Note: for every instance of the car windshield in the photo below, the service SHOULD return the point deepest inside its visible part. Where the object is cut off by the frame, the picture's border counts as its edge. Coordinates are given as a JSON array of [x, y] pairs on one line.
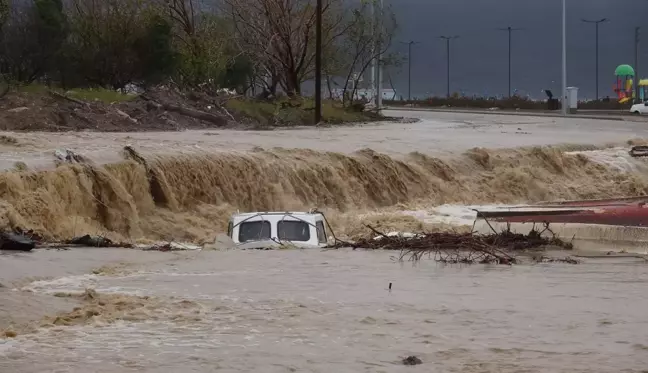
[[253, 231], [293, 230]]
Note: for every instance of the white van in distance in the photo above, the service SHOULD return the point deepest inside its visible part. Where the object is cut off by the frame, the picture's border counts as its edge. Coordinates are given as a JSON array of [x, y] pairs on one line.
[[639, 108]]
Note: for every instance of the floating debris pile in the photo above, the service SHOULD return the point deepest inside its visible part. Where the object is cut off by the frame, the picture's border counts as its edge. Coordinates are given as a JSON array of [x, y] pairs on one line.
[[466, 248], [96, 241]]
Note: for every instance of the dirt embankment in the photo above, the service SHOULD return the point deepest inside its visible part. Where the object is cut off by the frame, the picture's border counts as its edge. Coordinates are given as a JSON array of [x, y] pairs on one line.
[[160, 109], [52, 111]]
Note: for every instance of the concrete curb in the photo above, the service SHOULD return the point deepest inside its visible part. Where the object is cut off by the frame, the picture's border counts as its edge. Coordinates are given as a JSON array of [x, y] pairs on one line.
[[622, 118]]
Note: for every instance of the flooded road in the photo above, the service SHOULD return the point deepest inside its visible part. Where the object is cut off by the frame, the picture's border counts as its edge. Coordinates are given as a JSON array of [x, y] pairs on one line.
[[435, 134], [323, 311]]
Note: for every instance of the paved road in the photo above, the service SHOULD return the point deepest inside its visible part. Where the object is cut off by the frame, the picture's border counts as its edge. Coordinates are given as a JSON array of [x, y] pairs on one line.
[[582, 114], [437, 133]]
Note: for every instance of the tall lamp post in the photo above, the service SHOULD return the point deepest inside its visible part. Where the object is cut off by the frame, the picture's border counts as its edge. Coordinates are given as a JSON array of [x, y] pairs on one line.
[[510, 31], [409, 68], [636, 65], [596, 25], [447, 39], [318, 62], [564, 58]]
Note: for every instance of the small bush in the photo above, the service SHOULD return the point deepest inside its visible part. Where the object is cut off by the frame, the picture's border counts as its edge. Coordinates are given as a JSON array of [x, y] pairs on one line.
[[295, 112]]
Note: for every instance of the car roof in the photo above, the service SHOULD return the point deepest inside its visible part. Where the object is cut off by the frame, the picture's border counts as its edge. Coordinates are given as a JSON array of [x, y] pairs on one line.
[[296, 213]]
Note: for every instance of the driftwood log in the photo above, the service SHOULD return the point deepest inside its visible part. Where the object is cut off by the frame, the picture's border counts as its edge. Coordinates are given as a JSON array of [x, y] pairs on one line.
[[192, 113], [66, 97]]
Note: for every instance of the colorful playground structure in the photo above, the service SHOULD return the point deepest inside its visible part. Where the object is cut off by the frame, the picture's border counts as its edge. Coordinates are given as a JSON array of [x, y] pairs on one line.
[[624, 89]]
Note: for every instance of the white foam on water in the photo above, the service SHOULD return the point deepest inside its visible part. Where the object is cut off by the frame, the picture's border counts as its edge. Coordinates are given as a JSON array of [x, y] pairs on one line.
[[616, 158], [6, 345], [454, 215], [62, 284], [78, 284]]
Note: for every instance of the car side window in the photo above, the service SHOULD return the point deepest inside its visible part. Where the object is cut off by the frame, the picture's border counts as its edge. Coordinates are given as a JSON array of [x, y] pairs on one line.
[[321, 232]]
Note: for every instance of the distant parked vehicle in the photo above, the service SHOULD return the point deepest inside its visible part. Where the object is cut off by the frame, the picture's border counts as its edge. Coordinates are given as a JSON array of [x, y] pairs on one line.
[[639, 108]]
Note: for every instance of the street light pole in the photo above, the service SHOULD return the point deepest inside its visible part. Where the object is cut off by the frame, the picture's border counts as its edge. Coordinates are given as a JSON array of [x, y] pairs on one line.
[[409, 68], [510, 31], [318, 62], [636, 65], [447, 39], [596, 25], [564, 58]]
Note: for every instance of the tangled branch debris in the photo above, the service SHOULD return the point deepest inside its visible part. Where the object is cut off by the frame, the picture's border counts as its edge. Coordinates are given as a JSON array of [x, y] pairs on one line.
[[96, 241], [545, 259], [466, 248]]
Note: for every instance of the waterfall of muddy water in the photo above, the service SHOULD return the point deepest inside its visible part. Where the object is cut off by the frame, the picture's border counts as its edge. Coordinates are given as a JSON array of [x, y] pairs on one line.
[[323, 311], [189, 196]]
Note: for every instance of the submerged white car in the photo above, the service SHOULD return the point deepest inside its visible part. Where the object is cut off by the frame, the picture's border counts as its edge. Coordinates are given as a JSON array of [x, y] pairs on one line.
[[269, 229], [639, 108]]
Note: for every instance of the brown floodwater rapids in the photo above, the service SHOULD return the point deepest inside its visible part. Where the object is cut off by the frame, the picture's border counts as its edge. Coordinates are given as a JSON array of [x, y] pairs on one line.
[[115, 310], [182, 186]]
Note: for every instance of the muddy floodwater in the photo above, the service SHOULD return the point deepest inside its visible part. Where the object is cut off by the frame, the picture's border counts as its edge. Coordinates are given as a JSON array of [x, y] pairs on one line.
[[331, 311], [118, 310]]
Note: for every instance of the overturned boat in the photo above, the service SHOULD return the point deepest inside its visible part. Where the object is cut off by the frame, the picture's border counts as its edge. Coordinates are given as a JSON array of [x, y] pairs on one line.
[[609, 222]]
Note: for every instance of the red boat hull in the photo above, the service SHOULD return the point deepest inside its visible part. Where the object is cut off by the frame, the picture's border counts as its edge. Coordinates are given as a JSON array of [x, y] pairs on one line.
[[628, 201], [618, 212]]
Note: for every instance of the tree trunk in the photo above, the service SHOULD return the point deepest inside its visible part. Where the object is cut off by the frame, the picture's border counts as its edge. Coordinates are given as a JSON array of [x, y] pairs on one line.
[[329, 87], [292, 84]]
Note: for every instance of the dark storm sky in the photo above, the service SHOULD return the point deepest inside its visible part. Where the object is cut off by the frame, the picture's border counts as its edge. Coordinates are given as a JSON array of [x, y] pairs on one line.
[[479, 56]]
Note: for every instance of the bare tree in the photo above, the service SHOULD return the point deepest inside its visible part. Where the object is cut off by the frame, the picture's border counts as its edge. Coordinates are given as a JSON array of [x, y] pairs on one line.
[[183, 15], [205, 42], [280, 34], [366, 39], [4, 11], [105, 32]]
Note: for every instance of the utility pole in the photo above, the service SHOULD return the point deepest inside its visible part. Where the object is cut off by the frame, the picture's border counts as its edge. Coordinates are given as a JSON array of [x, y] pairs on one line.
[[596, 24], [379, 61], [372, 80], [318, 62], [409, 68], [564, 58], [636, 65], [510, 31], [447, 39]]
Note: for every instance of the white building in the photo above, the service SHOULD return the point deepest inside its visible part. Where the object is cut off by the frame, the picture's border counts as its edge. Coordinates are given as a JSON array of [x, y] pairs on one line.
[[369, 94]]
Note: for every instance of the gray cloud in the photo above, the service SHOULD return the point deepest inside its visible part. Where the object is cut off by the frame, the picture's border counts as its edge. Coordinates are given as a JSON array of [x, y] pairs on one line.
[[480, 56]]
